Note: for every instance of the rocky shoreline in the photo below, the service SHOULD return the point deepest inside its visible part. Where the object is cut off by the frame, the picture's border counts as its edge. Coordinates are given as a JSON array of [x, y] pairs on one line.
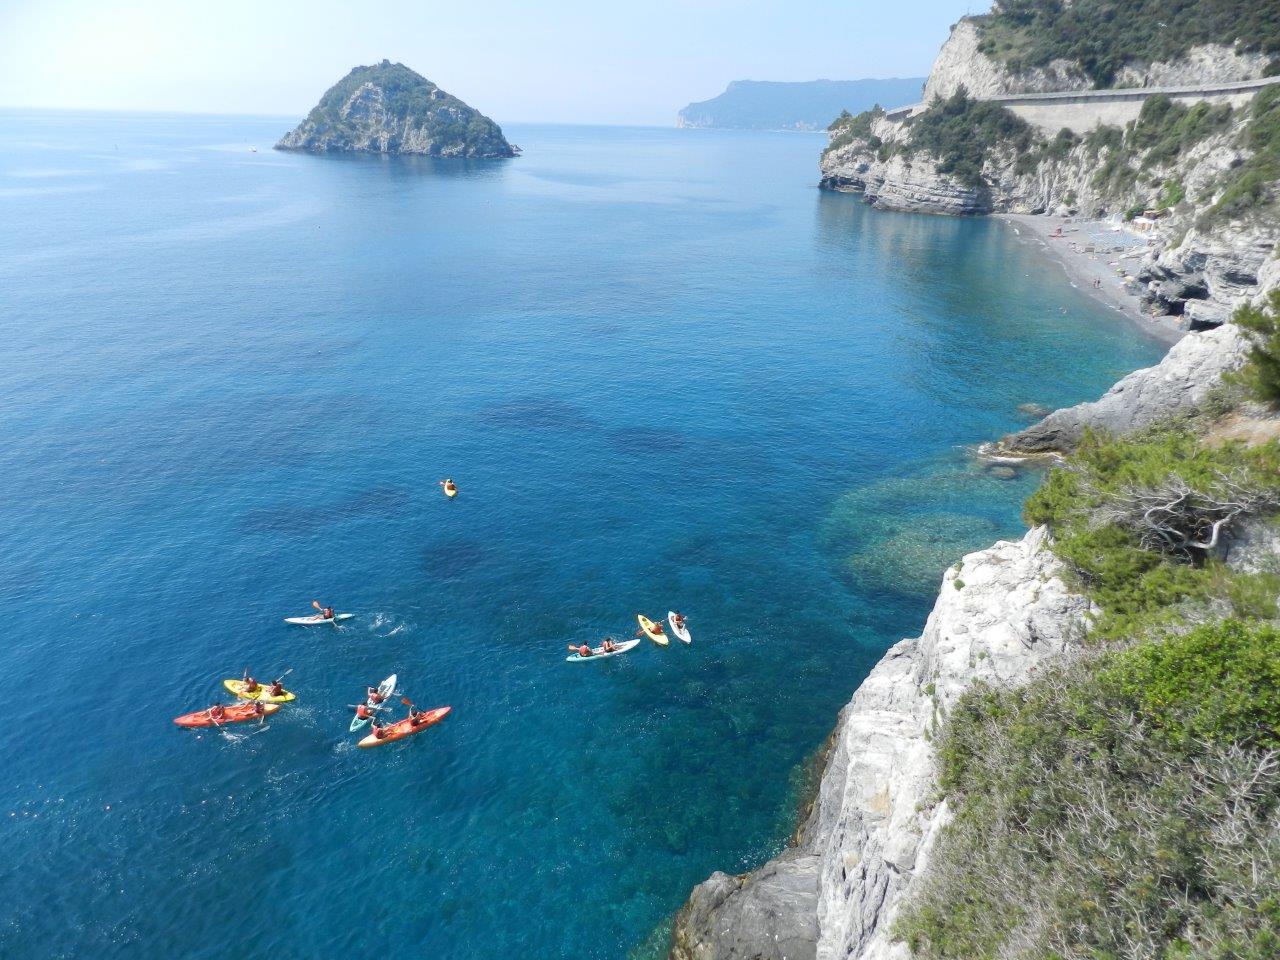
[[1068, 251], [1001, 613]]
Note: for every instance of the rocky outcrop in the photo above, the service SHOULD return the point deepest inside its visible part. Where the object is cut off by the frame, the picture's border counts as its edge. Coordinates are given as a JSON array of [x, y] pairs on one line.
[[1001, 613], [961, 64], [387, 108], [1177, 384]]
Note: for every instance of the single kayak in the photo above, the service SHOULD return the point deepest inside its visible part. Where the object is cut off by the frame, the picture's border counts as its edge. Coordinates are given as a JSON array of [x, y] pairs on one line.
[[679, 631], [262, 693], [315, 619], [404, 728], [386, 688], [599, 653], [652, 630], [236, 713]]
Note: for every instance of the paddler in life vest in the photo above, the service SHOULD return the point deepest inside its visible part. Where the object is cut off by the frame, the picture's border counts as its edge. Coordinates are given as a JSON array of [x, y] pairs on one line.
[[608, 646], [374, 697], [363, 712], [277, 689], [656, 630], [448, 485], [581, 650], [378, 732], [217, 712], [679, 618], [248, 684], [415, 717], [259, 711]]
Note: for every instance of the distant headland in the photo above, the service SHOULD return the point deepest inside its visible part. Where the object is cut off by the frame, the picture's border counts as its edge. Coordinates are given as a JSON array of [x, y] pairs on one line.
[[768, 105], [388, 108]]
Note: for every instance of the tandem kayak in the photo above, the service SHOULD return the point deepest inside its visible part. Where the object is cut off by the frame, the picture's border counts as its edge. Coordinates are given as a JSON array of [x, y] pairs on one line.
[[386, 688], [403, 728], [315, 619], [237, 687], [599, 653], [681, 632], [652, 630], [236, 713]]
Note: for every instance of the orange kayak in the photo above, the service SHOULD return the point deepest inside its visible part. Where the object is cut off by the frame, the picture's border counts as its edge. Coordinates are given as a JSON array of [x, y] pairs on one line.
[[236, 713], [403, 728]]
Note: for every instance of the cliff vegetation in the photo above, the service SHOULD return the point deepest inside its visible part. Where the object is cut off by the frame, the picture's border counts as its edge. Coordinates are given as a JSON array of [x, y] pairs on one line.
[[1126, 802], [1104, 35]]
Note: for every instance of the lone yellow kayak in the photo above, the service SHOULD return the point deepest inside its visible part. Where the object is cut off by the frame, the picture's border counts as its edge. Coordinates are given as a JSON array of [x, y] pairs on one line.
[[652, 630], [237, 687]]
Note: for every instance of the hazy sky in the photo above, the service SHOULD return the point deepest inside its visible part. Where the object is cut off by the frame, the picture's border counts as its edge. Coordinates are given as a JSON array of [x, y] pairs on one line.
[[555, 60]]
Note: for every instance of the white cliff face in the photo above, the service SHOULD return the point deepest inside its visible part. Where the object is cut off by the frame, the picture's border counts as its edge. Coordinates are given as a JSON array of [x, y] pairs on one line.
[[1001, 614], [961, 63], [1209, 63]]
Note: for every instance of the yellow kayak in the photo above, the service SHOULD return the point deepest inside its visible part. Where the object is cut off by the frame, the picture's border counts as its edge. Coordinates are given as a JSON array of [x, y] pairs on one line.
[[237, 687], [652, 630]]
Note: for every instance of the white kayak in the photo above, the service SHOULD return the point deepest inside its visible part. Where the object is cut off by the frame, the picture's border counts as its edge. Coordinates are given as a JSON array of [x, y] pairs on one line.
[[315, 619], [387, 687], [681, 632], [598, 653]]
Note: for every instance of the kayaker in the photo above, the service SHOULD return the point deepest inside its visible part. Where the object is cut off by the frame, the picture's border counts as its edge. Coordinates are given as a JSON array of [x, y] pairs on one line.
[[416, 716], [374, 696], [248, 684], [277, 689], [583, 651], [378, 732], [259, 710], [678, 617], [363, 711], [327, 613], [608, 646], [656, 629], [217, 712]]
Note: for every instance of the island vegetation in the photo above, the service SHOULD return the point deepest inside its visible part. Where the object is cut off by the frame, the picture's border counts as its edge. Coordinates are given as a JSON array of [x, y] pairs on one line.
[[388, 108]]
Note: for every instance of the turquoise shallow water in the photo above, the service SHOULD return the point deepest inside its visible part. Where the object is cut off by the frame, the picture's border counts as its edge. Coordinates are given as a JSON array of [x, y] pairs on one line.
[[664, 369]]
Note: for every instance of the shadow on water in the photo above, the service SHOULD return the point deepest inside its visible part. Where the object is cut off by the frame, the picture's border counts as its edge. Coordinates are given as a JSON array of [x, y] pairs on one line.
[[408, 165]]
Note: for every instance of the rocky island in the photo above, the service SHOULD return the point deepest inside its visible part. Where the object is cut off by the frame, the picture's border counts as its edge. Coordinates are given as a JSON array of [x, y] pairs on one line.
[[1074, 759], [388, 108]]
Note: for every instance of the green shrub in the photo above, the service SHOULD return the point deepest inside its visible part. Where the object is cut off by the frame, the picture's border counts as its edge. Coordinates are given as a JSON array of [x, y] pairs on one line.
[[961, 132], [1139, 589], [1253, 183], [1120, 806], [1104, 35], [1218, 682], [848, 128], [1165, 129], [1261, 373]]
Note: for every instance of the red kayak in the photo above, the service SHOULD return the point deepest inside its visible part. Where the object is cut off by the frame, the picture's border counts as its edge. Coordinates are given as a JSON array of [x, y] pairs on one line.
[[236, 713], [404, 728]]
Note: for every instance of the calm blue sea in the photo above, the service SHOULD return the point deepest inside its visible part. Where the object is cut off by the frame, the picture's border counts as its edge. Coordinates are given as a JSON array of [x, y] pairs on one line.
[[665, 370]]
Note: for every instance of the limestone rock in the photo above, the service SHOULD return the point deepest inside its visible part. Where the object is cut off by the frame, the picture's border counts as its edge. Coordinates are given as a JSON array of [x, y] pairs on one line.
[[961, 63], [1003, 612], [1179, 382]]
